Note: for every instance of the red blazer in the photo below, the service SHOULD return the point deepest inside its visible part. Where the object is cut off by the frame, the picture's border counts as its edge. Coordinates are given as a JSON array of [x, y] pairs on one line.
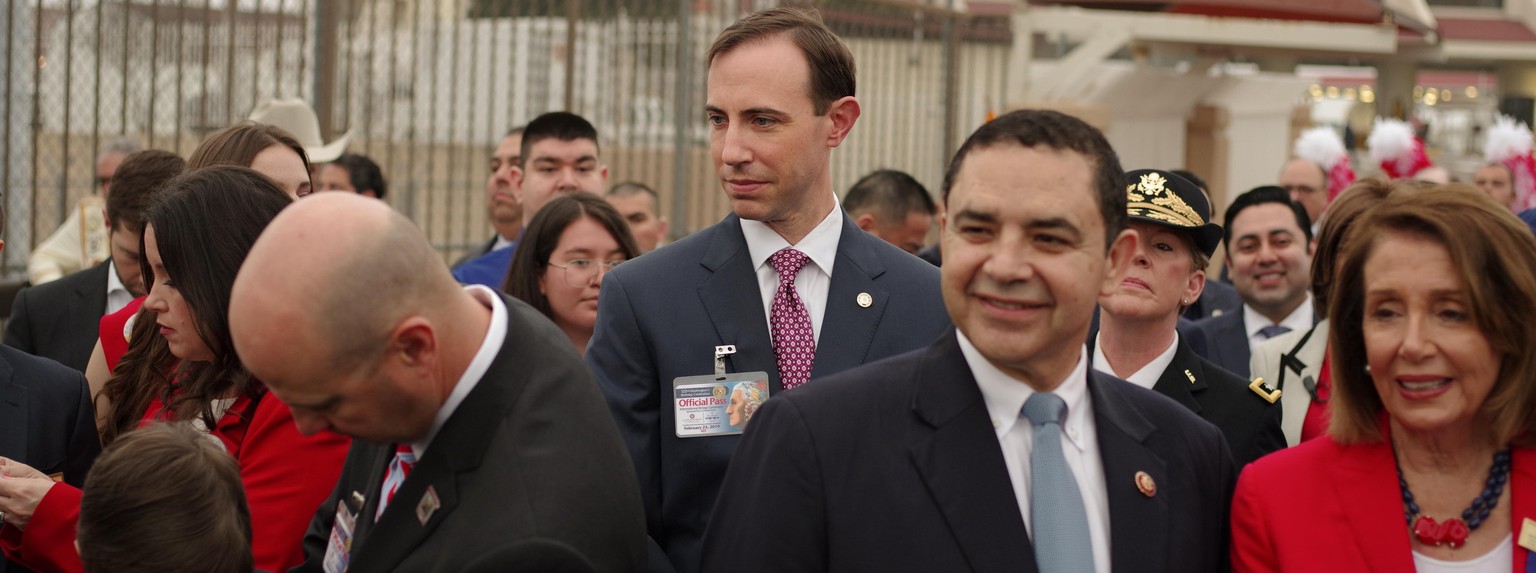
[[286, 477], [113, 342], [1321, 506]]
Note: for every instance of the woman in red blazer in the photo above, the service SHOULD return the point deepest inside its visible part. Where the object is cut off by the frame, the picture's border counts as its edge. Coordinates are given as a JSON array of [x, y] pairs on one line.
[[196, 235], [1428, 463]]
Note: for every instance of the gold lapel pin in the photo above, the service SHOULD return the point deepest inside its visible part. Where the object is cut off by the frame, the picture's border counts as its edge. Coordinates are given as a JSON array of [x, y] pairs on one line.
[[427, 506], [1145, 485], [1191, 376], [865, 300]]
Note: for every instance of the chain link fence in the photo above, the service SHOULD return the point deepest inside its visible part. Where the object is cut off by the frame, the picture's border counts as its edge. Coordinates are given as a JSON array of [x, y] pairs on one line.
[[427, 88]]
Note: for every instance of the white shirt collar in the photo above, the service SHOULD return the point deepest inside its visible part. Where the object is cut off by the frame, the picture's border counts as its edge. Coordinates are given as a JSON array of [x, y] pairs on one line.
[[1005, 395], [1299, 319], [1148, 375], [478, 366], [117, 294], [820, 244]]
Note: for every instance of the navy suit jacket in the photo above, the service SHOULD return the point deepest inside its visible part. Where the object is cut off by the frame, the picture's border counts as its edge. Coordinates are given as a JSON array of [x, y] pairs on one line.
[[896, 466], [1225, 341], [60, 320], [660, 317], [1217, 299], [46, 419]]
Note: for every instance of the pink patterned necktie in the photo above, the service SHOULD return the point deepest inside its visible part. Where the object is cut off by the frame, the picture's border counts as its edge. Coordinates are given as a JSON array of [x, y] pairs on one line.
[[794, 342]]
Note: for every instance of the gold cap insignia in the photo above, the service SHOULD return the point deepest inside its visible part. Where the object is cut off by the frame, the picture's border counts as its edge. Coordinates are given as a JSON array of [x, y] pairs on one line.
[[1151, 198]]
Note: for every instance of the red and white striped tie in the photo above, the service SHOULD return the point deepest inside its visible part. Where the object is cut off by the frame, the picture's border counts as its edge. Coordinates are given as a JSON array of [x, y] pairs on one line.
[[399, 468]]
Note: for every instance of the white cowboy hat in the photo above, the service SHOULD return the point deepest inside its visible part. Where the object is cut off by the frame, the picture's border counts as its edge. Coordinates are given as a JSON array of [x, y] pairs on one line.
[[295, 117]]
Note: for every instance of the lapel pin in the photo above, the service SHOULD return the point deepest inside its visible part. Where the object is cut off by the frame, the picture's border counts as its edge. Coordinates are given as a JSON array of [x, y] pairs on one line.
[[1191, 376], [1145, 485], [428, 505], [1264, 390], [865, 300]]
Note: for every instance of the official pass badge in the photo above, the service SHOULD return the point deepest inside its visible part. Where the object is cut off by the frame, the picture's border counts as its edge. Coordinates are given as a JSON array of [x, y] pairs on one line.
[[338, 550], [428, 505], [717, 404]]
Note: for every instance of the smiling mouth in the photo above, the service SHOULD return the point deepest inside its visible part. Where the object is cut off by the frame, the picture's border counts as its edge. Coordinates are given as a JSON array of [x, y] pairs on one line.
[[1423, 385]]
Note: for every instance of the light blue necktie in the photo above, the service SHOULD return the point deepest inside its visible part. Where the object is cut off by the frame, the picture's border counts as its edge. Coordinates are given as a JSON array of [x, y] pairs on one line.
[[1059, 524], [1273, 330]]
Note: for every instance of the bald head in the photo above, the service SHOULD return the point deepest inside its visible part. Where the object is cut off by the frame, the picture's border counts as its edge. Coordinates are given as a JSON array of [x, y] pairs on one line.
[[1308, 185], [342, 296]]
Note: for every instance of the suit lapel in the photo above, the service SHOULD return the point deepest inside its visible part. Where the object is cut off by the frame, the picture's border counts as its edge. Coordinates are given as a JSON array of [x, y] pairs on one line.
[[13, 417], [847, 327], [457, 449], [1183, 379], [1138, 525], [1365, 481], [377, 465], [959, 459], [735, 304]]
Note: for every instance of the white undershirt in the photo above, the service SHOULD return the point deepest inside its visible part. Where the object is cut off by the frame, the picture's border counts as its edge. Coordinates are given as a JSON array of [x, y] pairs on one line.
[[814, 279], [117, 294], [1495, 561], [1005, 396], [1148, 375], [1299, 319], [478, 366]]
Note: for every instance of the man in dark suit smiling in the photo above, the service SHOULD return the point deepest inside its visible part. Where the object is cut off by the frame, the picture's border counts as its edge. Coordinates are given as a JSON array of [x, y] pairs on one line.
[[996, 448]]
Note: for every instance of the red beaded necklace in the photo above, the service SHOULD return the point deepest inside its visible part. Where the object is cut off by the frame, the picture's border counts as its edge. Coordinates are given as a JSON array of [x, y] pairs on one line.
[[1454, 531]]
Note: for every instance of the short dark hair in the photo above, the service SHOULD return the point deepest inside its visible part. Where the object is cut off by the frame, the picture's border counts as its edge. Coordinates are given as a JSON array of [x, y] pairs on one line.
[[561, 125], [153, 490], [1061, 132], [134, 185], [531, 260], [1259, 196], [630, 188], [364, 173], [833, 74], [890, 195]]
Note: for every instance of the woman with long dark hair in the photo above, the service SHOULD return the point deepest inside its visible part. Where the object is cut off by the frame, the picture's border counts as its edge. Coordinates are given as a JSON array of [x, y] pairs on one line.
[[184, 368]]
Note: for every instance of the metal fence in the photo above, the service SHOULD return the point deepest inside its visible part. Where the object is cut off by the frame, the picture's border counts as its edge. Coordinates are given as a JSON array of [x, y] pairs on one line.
[[427, 88]]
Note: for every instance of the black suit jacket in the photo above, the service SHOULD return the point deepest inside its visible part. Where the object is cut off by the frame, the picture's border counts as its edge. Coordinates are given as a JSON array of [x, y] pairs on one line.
[[1250, 423], [46, 419], [530, 453], [60, 319], [661, 316], [895, 466], [1225, 339]]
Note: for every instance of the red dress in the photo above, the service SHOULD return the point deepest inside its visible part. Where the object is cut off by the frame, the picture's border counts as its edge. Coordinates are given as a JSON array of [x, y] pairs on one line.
[[286, 477], [1322, 506]]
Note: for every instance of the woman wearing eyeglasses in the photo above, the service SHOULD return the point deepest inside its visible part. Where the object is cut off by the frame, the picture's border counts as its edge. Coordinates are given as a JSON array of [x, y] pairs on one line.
[[559, 265]]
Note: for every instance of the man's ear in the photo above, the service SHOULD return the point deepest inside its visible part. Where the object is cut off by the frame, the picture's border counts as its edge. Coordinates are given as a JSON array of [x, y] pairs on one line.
[[866, 222], [1118, 261], [843, 112]]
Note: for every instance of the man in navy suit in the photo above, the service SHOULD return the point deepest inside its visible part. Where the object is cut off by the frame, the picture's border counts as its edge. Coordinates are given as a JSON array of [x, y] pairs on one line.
[[843, 298], [996, 448], [1269, 254]]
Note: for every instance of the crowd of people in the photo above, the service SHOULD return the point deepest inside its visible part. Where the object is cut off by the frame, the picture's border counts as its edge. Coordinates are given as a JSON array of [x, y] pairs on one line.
[[226, 372]]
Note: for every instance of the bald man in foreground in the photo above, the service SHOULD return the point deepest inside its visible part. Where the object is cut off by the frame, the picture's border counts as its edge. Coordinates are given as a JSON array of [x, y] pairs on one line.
[[513, 439]]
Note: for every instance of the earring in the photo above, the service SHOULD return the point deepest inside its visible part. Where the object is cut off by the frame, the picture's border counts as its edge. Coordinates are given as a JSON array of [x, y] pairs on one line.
[[1367, 368], [1185, 301]]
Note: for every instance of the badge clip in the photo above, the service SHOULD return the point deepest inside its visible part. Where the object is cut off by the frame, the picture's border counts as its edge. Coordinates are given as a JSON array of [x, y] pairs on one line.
[[721, 352]]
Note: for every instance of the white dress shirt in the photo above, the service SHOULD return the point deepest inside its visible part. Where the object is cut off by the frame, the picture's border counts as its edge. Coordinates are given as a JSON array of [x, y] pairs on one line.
[[1148, 375], [478, 366], [814, 279], [117, 294], [1005, 396], [1299, 319]]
